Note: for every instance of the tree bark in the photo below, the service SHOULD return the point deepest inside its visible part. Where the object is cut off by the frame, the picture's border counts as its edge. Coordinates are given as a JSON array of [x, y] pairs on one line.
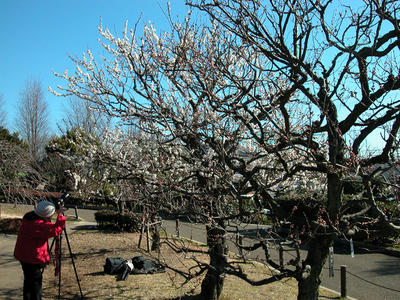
[[121, 206], [155, 246], [308, 283], [212, 284]]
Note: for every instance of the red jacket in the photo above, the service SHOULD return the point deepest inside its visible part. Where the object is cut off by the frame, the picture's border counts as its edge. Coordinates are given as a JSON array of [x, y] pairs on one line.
[[31, 246]]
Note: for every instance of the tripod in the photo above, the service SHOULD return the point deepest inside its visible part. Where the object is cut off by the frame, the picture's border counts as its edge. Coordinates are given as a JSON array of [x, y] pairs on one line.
[[60, 237]]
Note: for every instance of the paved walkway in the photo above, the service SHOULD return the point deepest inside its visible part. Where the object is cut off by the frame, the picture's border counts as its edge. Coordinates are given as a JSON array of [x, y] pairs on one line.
[[371, 274], [11, 276]]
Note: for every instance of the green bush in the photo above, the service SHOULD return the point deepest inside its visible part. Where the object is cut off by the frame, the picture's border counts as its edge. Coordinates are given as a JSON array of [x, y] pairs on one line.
[[10, 225], [390, 208], [111, 219], [129, 221], [260, 218], [105, 218]]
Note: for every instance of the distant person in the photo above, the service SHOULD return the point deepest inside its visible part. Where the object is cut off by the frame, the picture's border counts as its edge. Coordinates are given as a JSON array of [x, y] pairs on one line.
[[31, 248]]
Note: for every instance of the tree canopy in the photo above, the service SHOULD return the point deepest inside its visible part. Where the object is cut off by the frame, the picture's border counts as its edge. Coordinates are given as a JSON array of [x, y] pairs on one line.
[[266, 97]]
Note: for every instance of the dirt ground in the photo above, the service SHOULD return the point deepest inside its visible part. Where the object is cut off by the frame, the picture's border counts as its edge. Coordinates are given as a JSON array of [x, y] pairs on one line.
[[90, 248]]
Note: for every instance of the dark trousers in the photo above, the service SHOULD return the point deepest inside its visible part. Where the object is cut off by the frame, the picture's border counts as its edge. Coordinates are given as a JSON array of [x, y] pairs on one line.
[[32, 281]]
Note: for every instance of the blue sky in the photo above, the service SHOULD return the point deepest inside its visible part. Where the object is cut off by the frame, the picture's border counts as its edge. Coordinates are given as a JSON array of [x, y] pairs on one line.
[[37, 36]]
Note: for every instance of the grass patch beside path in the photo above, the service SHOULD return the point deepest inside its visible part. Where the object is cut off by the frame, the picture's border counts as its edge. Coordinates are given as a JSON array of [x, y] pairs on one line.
[[91, 248], [8, 211]]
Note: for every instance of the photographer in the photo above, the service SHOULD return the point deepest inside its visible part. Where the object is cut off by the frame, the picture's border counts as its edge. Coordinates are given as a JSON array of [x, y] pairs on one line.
[[31, 248]]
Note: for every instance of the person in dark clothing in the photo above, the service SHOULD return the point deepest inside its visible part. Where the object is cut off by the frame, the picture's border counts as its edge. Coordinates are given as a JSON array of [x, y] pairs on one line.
[[31, 248]]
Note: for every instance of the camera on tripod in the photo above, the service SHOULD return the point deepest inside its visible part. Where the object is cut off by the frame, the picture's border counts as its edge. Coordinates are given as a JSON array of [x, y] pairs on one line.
[[58, 241], [60, 201]]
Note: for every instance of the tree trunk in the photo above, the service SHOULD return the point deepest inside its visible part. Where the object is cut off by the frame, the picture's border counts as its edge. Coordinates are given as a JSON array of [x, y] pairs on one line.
[[308, 283], [121, 206], [212, 284], [155, 246]]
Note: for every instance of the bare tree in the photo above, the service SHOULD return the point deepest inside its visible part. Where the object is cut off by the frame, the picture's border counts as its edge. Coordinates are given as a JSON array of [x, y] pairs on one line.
[[3, 115], [262, 100], [85, 116], [198, 153], [19, 172], [340, 61], [32, 118]]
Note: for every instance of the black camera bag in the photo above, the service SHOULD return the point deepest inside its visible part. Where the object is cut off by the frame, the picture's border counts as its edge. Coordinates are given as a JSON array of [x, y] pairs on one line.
[[114, 265]]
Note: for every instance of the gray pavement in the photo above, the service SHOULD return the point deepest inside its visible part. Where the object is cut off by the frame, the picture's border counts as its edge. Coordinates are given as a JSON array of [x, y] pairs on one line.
[[11, 276], [371, 275]]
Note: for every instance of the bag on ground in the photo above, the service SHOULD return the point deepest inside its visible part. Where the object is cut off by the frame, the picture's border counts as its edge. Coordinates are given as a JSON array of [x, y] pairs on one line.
[[114, 265], [125, 270], [142, 265], [136, 265]]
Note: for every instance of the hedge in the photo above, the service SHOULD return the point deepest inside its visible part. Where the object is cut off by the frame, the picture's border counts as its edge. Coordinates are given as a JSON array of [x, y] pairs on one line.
[[111, 219]]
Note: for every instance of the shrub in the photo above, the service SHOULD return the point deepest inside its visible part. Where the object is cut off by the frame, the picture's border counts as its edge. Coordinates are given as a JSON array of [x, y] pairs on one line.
[[111, 219], [10, 225], [129, 221], [105, 218]]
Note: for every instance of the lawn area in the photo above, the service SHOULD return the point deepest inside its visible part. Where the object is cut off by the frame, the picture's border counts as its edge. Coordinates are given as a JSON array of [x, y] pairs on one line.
[[92, 247]]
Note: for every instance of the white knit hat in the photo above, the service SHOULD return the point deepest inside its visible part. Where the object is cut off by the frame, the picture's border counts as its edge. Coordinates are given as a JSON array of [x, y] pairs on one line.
[[45, 209]]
